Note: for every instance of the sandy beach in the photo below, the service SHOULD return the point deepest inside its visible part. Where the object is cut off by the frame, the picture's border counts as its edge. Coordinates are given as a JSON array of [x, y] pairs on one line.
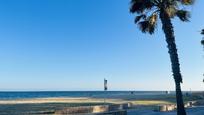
[[142, 103]]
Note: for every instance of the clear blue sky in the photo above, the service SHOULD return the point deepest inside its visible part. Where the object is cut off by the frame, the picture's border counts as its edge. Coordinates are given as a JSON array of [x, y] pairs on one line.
[[75, 44]]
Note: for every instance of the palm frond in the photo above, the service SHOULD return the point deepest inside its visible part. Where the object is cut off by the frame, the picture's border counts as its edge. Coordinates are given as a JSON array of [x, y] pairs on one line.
[[148, 25], [138, 18], [151, 29], [183, 15], [186, 2], [171, 11], [202, 42], [143, 25], [153, 19], [139, 6], [202, 32]]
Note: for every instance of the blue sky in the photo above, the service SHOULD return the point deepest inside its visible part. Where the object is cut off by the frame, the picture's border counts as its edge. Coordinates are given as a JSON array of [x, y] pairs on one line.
[[75, 44]]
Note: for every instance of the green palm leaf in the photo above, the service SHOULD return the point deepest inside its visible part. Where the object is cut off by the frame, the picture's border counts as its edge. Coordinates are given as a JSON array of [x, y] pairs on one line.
[[183, 15], [140, 6]]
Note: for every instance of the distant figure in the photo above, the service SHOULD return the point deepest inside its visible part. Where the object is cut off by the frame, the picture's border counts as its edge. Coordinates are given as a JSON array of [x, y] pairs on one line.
[[167, 92]]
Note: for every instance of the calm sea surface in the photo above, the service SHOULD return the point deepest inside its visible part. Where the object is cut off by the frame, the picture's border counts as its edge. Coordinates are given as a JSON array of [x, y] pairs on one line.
[[46, 94]]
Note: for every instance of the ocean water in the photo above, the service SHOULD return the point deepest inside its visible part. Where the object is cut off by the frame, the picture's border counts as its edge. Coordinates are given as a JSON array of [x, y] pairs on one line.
[[51, 94]]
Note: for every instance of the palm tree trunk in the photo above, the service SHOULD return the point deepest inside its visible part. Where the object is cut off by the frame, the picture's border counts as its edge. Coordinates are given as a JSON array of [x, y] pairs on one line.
[[171, 45]]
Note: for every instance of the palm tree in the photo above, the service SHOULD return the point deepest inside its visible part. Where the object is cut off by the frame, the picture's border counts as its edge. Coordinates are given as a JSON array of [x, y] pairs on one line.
[[148, 12], [202, 41]]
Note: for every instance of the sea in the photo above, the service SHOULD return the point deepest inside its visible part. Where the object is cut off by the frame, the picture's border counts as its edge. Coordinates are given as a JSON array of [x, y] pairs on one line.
[[10, 95]]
